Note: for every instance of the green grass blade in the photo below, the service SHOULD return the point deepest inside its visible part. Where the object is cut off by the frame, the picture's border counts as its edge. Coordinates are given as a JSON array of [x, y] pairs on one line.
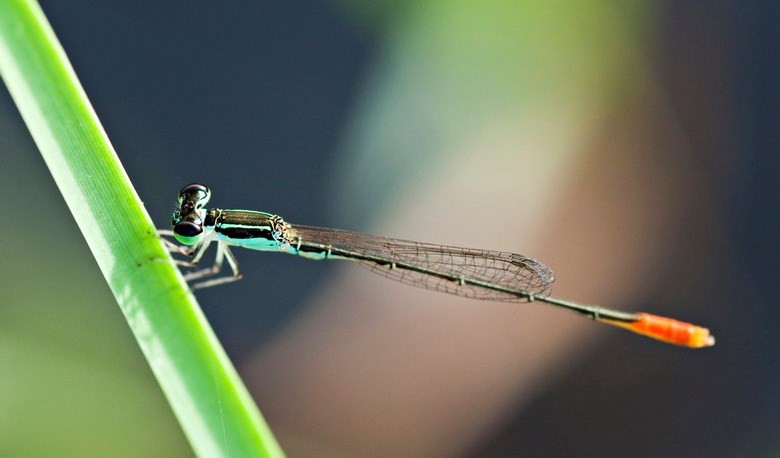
[[216, 412]]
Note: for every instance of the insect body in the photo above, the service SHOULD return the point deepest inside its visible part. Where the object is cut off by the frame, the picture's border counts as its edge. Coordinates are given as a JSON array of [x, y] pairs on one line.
[[473, 273]]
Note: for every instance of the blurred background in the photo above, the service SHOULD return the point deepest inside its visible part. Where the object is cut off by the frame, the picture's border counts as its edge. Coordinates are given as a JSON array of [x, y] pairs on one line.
[[631, 146]]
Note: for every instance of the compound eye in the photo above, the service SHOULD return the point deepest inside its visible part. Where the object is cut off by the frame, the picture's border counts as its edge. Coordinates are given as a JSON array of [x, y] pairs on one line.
[[187, 229], [188, 233], [195, 192]]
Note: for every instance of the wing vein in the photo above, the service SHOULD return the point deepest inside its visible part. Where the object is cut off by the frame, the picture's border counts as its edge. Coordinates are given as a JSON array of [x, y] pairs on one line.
[[468, 272]]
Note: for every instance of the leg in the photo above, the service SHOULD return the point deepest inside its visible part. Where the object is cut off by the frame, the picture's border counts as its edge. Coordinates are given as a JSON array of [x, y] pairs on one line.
[[207, 271], [197, 252], [223, 252]]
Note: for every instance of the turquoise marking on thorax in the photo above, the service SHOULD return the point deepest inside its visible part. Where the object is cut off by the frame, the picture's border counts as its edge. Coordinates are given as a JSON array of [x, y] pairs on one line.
[[249, 229], [264, 232], [259, 244]]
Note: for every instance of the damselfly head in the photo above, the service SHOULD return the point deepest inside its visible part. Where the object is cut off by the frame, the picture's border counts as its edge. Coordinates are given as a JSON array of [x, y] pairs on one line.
[[187, 220]]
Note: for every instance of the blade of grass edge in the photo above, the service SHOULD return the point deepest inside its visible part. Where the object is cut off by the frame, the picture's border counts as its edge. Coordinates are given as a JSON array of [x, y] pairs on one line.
[[208, 398]]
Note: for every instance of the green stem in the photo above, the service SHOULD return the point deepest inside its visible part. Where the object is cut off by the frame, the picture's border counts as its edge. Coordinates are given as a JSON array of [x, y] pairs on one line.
[[212, 405]]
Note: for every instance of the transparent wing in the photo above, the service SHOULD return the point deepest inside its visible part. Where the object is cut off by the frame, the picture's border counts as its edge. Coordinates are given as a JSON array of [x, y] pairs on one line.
[[473, 273]]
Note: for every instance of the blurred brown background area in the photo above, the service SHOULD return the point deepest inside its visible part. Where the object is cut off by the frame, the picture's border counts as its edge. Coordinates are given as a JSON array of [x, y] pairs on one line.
[[630, 146]]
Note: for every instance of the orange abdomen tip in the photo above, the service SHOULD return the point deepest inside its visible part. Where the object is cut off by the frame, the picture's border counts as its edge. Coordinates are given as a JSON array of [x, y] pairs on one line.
[[669, 330]]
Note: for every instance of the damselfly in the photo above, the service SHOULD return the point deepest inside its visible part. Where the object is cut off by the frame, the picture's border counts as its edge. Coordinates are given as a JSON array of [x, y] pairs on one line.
[[473, 273]]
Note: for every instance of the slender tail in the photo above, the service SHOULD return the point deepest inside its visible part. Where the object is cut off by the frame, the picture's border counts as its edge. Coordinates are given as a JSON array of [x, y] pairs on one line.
[[656, 327]]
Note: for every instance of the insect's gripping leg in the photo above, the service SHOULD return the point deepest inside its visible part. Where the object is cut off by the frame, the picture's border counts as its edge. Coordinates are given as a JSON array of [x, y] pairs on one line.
[[197, 252], [195, 261], [223, 252]]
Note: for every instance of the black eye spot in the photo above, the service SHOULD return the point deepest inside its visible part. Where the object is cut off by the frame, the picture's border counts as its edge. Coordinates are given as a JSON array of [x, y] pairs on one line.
[[187, 229]]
